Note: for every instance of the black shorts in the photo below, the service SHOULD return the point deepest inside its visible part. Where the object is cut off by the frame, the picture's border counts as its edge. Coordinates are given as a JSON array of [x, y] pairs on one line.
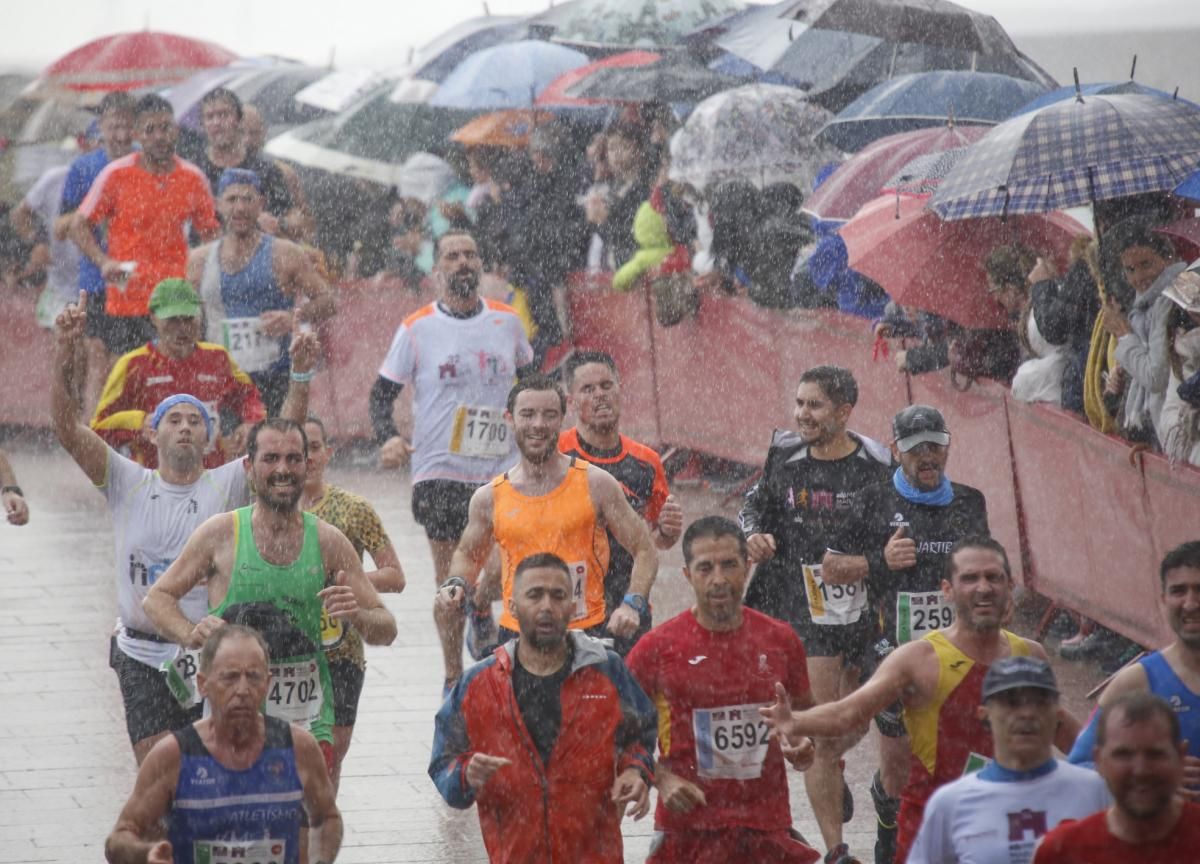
[[347, 679], [150, 708], [122, 333], [96, 316], [849, 641], [440, 507]]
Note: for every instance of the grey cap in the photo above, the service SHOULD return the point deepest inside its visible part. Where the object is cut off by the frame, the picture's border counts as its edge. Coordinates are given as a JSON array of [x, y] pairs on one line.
[[919, 424], [1013, 672]]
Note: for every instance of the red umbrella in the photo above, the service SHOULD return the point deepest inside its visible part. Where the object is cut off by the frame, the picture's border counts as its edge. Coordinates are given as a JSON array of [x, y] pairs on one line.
[[1185, 236], [127, 61], [937, 266], [556, 91], [859, 178]]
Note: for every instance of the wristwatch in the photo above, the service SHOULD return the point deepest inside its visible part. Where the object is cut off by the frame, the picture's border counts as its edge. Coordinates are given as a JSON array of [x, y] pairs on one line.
[[637, 603]]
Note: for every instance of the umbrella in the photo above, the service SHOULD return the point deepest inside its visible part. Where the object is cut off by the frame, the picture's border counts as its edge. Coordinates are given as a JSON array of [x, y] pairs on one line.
[[633, 23], [1101, 88], [1072, 153], [928, 22], [675, 78], [860, 177], [937, 266], [757, 34], [1185, 236], [922, 175], [761, 133], [926, 99], [128, 61], [556, 91], [501, 128], [506, 76], [1190, 187], [269, 86], [436, 59]]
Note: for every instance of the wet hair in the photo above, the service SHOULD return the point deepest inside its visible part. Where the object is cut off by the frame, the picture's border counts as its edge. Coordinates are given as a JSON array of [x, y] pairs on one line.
[[1137, 231], [975, 541], [1010, 265], [536, 381], [276, 424], [218, 94], [228, 631], [453, 232], [540, 559], [714, 527], [320, 424], [152, 103], [1137, 708], [1183, 555], [836, 383], [583, 358], [117, 100]]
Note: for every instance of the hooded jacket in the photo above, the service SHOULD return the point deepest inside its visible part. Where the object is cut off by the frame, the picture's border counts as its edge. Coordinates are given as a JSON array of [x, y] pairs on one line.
[[1144, 357], [560, 811]]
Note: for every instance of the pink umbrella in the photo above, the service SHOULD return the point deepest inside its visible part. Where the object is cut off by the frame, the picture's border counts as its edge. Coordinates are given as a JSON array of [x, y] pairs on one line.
[[128, 61], [859, 179], [1185, 236], [556, 91], [937, 266]]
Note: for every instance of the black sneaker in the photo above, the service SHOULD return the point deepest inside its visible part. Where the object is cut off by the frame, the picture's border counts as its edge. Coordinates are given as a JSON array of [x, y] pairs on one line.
[[840, 854]]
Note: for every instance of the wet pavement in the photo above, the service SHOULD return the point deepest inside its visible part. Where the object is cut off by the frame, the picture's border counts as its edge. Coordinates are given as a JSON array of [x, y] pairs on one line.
[[65, 762]]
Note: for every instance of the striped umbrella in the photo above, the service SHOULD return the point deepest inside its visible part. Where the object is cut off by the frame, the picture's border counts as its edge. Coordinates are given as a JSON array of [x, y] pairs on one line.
[[1072, 153]]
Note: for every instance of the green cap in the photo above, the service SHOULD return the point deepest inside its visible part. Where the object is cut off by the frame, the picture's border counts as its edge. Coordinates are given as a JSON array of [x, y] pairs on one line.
[[175, 298]]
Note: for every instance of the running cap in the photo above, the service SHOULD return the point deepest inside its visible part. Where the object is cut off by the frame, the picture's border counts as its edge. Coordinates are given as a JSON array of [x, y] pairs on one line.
[[1185, 290], [175, 298], [171, 401], [919, 424], [238, 177], [1013, 672]]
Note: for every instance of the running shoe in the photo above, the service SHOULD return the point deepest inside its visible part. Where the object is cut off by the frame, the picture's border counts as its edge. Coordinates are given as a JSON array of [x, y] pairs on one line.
[[840, 854]]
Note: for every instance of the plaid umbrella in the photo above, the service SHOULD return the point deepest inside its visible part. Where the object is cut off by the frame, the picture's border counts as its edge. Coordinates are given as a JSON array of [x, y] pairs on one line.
[[1073, 153]]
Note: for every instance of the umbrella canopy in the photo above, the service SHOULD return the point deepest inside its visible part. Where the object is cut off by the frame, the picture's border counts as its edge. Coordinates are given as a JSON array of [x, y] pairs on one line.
[[922, 175], [761, 133], [757, 34], [861, 177], [509, 129], [128, 61], [1190, 187], [506, 76], [436, 59], [674, 78], [1071, 153], [937, 266], [556, 91], [271, 87], [1185, 237], [1101, 88], [632, 23], [927, 99], [928, 22]]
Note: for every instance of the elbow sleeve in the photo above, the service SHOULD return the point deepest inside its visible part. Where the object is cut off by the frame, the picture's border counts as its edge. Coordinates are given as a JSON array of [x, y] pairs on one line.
[[383, 397]]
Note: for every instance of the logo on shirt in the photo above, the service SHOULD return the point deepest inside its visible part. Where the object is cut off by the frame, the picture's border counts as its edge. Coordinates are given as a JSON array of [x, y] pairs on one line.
[[204, 376], [1177, 705], [763, 668], [698, 659], [201, 778], [1026, 822], [449, 369], [159, 379]]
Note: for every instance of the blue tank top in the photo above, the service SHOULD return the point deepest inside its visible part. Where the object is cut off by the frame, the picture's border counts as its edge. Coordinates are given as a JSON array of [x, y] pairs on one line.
[[254, 290], [224, 815], [1186, 704]]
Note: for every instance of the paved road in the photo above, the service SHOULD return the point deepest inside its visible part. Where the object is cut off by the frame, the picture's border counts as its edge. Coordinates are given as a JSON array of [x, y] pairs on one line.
[[65, 763]]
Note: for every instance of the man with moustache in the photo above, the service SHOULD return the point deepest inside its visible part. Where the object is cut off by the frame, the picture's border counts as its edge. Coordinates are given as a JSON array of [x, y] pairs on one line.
[[938, 679], [460, 354], [574, 701], [235, 785], [273, 564], [549, 502], [898, 538]]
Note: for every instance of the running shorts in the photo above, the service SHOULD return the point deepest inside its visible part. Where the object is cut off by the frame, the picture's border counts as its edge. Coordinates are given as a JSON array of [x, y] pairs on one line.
[[440, 507]]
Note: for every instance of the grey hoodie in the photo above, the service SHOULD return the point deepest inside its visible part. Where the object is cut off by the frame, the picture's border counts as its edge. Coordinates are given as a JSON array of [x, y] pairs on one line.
[[1144, 357]]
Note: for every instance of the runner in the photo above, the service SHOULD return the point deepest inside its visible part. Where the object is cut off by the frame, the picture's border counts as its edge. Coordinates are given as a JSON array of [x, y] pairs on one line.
[[550, 735], [357, 519], [722, 783], [16, 510], [594, 392], [998, 814], [1172, 673], [790, 517], [460, 354], [938, 678], [154, 512], [275, 566], [250, 282], [548, 502], [235, 786], [898, 537], [1139, 753]]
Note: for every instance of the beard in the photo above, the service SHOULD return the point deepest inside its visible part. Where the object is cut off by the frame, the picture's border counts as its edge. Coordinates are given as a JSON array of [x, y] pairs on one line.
[[184, 460], [542, 641], [278, 500], [464, 283]]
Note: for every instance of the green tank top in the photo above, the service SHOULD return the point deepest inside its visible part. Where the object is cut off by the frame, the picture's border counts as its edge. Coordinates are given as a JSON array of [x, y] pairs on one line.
[[301, 690]]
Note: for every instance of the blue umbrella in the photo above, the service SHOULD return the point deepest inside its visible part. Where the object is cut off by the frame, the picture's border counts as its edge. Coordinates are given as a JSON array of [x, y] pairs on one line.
[[1072, 153], [926, 99], [1189, 188], [439, 57], [506, 76], [1100, 88]]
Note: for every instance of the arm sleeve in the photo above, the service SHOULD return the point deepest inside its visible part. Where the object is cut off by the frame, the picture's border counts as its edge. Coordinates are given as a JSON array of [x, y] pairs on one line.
[[452, 750], [751, 517], [383, 397]]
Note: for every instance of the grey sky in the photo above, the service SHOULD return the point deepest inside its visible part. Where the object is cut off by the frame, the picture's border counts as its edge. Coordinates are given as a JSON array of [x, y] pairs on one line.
[[379, 32]]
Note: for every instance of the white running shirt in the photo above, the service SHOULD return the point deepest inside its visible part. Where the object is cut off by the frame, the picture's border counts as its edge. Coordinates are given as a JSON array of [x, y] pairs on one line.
[[152, 520], [461, 370], [976, 820]]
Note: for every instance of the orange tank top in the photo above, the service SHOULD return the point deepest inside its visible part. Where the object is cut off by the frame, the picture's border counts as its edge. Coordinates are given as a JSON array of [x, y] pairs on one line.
[[563, 522]]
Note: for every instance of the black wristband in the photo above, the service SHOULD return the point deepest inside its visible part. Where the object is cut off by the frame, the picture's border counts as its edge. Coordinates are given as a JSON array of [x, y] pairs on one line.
[[15, 489]]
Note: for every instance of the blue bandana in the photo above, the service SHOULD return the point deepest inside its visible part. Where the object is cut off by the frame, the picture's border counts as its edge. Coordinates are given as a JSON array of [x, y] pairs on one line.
[[939, 497], [238, 177], [171, 401]]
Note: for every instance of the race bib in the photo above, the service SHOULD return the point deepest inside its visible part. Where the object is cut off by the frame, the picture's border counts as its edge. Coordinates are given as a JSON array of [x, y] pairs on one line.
[[731, 743], [579, 589], [295, 694], [266, 850], [332, 630], [180, 675], [921, 612], [833, 604], [245, 341], [479, 433]]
